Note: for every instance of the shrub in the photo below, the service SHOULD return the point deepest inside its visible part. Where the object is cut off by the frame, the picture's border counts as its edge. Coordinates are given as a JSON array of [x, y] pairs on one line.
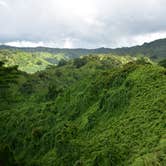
[[79, 62], [163, 63], [62, 62], [37, 132], [6, 156]]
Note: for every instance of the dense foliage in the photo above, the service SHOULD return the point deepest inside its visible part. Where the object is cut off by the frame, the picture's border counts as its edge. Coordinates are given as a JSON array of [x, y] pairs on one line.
[[163, 63], [30, 62], [96, 110]]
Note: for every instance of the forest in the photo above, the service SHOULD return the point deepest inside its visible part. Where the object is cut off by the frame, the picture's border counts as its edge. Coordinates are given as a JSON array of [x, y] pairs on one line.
[[99, 109]]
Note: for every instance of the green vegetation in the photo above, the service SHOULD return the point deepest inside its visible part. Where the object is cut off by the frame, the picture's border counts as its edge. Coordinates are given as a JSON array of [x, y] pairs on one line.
[[30, 62], [155, 50], [163, 63], [98, 110]]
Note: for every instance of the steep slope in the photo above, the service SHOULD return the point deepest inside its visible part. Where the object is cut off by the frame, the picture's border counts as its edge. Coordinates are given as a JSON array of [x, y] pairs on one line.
[[92, 111]]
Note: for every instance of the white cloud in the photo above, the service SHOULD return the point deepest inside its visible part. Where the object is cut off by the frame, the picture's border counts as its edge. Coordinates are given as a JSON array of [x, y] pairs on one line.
[[140, 39], [30, 44], [4, 4], [68, 44], [81, 23]]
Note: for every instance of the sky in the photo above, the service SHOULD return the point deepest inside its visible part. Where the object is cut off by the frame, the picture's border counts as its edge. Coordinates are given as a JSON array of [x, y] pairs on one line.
[[81, 23]]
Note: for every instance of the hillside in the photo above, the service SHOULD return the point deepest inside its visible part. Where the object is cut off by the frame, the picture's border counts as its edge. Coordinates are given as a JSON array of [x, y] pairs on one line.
[[38, 61], [30, 62], [155, 50], [96, 110]]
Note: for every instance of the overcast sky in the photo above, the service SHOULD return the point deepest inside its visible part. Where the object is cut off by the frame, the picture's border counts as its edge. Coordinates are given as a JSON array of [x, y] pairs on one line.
[[81, 23]]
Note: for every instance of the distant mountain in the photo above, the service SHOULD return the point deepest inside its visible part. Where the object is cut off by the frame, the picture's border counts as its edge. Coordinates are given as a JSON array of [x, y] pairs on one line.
[[156, 50], [71, 53]]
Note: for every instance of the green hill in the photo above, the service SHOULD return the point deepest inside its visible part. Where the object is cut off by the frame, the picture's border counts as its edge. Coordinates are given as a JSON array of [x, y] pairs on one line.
[[155, 50], [30, 62], [100, 110]]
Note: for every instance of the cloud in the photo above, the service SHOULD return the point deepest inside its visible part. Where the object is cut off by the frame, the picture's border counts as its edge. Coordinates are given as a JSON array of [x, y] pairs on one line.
[[30, 44], [81, 23], [3, 4], [68, 43]]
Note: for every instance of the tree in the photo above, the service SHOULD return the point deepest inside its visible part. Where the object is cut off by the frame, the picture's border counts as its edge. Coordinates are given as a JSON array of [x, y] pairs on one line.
[[8, 76], [62, 62], [163, 63], [79, 62]]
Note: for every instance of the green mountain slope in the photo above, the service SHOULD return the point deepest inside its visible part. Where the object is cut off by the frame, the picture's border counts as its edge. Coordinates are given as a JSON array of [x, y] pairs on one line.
[[37, 61], [30, 62], [155, 50], [95, 110]]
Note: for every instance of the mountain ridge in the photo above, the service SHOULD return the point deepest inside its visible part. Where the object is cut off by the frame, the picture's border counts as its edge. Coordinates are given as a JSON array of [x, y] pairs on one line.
[[155, 50]]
